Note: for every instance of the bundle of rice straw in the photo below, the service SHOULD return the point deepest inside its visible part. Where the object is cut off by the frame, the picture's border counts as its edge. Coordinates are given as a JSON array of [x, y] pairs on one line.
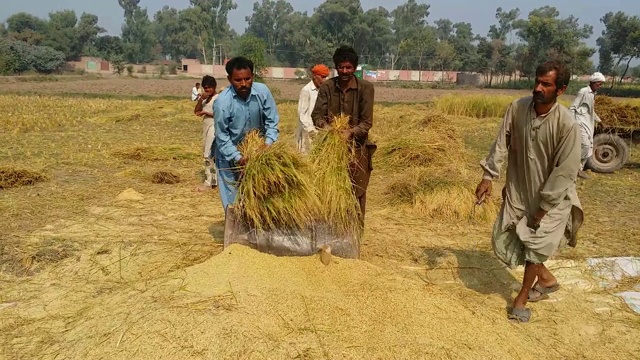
[[330, 157], [274, 192], [617, 114]]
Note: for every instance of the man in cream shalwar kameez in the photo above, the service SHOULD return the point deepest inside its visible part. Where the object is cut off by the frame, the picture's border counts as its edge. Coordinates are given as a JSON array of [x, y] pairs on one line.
[[306, 103], [583, 109], [541, 212], [204, 108]]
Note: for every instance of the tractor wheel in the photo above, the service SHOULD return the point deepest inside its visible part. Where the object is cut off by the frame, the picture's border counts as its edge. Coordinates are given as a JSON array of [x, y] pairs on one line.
[[610, 153]]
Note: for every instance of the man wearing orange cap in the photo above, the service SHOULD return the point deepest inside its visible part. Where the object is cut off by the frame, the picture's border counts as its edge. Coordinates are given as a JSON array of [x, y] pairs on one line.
[[306, 103]]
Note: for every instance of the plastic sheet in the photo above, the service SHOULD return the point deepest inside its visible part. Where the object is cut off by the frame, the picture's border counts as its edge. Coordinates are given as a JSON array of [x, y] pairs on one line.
[[286, 242]]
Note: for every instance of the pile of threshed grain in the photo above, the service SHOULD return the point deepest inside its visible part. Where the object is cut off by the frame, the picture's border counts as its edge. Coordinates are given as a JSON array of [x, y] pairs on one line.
[[617, 115], [10, 177], [246, 304], [275, 191], [331, 157]]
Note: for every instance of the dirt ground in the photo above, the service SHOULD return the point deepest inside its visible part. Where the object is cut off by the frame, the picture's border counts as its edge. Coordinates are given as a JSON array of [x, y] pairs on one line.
[[284, 90], [100, 262]]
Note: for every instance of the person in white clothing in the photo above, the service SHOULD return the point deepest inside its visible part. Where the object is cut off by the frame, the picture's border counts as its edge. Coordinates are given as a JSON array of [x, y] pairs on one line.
[[204, 108], [583, 109], [306, 103], [196, 92]]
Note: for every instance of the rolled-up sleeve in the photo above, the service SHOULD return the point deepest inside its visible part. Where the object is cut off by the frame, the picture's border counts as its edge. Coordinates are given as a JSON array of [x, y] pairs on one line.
[[223, 137]]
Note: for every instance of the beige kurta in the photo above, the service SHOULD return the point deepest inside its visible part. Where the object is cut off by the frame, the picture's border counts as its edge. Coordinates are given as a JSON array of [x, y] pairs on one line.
[[543, 154]]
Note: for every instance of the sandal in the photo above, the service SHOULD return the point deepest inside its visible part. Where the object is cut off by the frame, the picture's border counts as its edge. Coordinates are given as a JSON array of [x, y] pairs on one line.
[[542, 292], [519, 315]]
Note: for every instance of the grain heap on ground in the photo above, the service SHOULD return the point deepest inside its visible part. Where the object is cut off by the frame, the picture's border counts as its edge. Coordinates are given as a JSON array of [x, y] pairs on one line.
[[331, 157], [246, 304], [275, 191]]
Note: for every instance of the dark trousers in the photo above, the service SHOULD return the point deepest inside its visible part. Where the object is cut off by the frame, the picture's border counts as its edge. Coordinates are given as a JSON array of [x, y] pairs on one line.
[[360, 171]]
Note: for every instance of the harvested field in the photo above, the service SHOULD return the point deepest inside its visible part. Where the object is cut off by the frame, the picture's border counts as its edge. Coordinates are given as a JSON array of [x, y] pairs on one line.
[[283, 90], [100, 262]]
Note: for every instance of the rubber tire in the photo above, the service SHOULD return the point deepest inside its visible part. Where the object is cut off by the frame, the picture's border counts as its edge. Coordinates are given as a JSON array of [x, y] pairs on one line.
[[610, 153]]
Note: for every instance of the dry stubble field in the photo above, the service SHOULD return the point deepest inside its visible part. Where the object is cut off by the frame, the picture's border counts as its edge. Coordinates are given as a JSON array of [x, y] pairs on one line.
[[173, 87], [98, 261]]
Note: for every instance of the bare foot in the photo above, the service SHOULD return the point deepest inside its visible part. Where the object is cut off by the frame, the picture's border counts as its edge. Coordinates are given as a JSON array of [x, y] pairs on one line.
[[203, 188]]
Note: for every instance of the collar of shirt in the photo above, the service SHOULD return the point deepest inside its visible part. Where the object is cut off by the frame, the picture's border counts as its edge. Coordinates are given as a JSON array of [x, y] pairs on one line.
[[353, 84], [532, 110], [235, 94]]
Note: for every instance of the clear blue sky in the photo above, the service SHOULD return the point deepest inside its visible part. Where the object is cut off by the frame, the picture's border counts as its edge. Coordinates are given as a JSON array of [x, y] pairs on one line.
[[480, 13]]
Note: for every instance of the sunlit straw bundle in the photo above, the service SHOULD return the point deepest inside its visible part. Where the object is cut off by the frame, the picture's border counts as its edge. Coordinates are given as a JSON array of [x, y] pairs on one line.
[[330, 157], [617, 114], [274, 192]]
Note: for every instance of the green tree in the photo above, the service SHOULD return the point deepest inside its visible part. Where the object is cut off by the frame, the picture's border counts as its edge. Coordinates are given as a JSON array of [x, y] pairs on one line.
[[61, 33], [445, 55], [18, 56], [108, 46], [463, 44], [619, 43], [412, 36], [46, 60], [376, 37], [419, 50], [337, 22], [174, 34], [119, 64], [27, 28], [209, 24], [505, 24], [253, 48], [267, 22], [137, 32], [546, 35], [87, 33]]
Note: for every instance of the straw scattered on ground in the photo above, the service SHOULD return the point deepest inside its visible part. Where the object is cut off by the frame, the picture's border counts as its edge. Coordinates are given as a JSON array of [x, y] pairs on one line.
[[165, 177], [11, 177], [156, 153], [88, 274], [275, 191], [428, 142]]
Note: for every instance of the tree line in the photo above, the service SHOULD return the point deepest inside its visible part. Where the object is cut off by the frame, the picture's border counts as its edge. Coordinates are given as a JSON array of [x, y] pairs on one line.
[[405, 37]]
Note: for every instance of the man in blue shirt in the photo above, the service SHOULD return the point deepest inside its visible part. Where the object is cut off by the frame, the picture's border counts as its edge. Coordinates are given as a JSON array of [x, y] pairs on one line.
[[240, 108]]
